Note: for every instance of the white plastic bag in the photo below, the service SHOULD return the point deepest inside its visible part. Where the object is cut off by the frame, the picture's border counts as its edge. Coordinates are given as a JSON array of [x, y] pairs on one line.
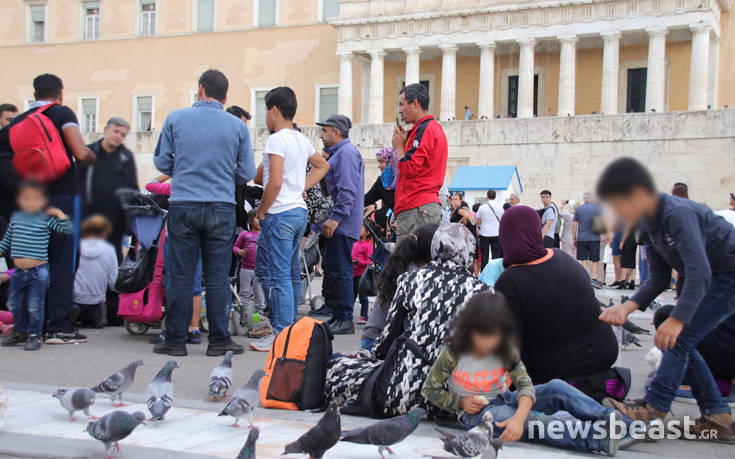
[[607, 256]]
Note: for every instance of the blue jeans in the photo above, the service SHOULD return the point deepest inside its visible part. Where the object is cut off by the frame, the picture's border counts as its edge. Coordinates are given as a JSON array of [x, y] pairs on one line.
[[193, 227], [338, 258], [642, 265], [552, 397], [684, 362], [278, 264], [27, 298], [62, 261], [198, 288]]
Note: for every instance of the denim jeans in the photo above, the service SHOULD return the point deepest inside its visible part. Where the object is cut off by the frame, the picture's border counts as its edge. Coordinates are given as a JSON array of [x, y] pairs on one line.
[[62, 257], [683, 361], [338, 259], [27, 298], [195, 226], [551, 398], [278, 264]]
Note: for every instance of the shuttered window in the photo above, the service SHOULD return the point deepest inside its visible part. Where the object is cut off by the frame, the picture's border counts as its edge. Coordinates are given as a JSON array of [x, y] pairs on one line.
[[89, 114], [327, 103], [330, 9], [260, 108], [266, 13], [205, 15], [38, 23]]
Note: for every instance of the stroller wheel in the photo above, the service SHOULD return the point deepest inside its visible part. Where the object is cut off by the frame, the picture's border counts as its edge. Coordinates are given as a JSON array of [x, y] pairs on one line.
[[316, 303], [136, 328]]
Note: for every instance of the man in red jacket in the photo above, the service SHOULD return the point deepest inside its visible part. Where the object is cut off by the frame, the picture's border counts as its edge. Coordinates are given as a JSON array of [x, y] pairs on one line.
[[422, 162]]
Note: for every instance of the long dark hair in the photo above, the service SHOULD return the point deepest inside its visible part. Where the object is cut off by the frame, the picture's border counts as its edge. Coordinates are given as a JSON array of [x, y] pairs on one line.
[[416, 248], [485, 313]]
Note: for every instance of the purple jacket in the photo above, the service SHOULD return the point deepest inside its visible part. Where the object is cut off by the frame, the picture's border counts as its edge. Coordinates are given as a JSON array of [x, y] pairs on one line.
[[346, 180]]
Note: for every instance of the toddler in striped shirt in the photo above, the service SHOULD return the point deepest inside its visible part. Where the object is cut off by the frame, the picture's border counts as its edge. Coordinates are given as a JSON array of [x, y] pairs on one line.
[[26, 240]]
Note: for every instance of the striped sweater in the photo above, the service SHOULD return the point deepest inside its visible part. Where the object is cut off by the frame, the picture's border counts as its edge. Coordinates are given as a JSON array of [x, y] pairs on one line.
[[28, 235]]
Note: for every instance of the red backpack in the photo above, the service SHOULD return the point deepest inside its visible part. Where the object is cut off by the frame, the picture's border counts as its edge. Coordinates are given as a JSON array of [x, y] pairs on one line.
[[40, 154]]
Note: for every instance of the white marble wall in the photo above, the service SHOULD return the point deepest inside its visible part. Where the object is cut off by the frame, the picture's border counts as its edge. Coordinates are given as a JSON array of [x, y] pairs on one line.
[[563, 154]]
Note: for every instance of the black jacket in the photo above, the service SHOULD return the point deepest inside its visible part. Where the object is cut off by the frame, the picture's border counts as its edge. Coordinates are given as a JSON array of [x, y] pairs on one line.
[[100, 181], [378, 193]]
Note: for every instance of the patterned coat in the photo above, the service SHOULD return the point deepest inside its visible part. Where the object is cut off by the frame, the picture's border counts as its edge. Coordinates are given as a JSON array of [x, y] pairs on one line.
[[425, 303]]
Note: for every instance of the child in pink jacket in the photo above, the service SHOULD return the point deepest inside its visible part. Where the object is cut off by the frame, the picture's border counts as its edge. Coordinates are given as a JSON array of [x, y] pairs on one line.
[[362, 250]]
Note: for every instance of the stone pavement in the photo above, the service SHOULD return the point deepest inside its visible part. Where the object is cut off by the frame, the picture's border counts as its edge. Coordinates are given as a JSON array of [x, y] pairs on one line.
[[36, 425]]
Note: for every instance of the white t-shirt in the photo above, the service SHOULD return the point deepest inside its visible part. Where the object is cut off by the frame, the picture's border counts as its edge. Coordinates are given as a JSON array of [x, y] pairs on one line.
[[489, 223], [295, 149]]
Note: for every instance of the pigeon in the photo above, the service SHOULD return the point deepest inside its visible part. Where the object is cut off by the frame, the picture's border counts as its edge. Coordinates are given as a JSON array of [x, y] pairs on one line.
[[114, 427], [244, 400], [118, 383], [220, 380], [79, 399], [160, 393], [627, 338], [385, 433], [478, 441], [325, 434], [635, 329], [654, 358], [248, 449]]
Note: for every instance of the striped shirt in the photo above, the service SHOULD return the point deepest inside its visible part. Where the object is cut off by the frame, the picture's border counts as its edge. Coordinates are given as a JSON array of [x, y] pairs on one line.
[[28, 235]]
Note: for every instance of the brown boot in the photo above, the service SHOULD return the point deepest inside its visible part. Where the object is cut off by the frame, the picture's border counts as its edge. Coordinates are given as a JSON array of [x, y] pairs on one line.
[[715, 427], [636, 410]]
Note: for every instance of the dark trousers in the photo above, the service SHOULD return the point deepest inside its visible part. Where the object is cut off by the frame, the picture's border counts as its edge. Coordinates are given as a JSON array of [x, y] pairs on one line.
[[490, 249], [195, 226], [62, 258], [339, 268], [549, 242], [364, 302]]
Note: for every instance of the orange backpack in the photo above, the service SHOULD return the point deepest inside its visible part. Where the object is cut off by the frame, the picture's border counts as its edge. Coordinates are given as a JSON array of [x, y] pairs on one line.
[[296, 368]]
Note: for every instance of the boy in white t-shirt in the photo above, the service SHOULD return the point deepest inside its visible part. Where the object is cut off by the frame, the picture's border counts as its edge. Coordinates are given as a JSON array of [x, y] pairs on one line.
[[282, 211]]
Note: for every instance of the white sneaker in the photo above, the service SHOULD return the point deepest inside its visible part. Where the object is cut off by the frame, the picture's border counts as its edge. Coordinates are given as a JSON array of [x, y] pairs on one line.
[[264, 344]]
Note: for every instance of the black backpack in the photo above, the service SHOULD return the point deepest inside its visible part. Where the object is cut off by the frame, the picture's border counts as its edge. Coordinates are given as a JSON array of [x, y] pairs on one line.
[[136, 270]]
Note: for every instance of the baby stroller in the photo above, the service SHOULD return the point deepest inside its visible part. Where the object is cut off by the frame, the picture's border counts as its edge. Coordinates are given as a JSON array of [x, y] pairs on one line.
[[140, 276], [368, 285]]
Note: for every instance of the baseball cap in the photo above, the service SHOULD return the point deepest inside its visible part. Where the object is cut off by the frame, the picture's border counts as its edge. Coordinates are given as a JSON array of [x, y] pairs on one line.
[[340, 122]]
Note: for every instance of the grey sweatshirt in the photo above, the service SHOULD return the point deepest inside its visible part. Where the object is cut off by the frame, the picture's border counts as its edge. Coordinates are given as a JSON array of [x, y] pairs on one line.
[[97, 271]]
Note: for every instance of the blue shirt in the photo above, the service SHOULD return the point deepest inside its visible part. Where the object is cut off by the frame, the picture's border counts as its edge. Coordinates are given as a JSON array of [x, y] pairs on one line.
[[28, 235], [346, 180], [584, 216], [206, 151]]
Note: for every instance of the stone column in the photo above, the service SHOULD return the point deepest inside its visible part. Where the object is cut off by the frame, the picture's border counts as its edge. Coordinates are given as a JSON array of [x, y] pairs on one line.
[[344, 92], [610, 69], [375, 111], [656, 72], [413, 65], [364, 90], [714, 70], [449, 82], [567, 75], [485, 104], [699, 71], [525, 78]]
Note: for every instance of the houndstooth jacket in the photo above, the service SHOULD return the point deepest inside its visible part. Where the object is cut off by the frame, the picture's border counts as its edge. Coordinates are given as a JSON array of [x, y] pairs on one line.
[[425, 303]]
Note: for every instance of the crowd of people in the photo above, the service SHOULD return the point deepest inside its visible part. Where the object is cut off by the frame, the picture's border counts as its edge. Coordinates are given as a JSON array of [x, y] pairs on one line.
[[470, 300]]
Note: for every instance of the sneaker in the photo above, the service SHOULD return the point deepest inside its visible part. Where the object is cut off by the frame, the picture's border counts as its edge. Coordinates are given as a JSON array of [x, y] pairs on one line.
[[33, 343], [220, 350], [611, 444], [195, 337], [165, 349], [14, 339], [260, 333], [636, 410], [342, 327], [362, 320], [323, 311], [615, 284], [596, 284], [631, 285], [67, 337], [263, 344], [716, 427]]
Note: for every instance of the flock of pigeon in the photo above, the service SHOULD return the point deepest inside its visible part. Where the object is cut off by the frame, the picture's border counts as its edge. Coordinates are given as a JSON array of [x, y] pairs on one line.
[[116, 426]]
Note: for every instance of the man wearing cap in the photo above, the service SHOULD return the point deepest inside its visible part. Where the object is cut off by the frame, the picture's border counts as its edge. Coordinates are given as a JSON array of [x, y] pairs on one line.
[[342, 228]]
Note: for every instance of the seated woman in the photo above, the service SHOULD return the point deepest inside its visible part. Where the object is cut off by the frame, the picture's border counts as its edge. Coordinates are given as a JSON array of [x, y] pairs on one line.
[[389, 382], [556, 310]]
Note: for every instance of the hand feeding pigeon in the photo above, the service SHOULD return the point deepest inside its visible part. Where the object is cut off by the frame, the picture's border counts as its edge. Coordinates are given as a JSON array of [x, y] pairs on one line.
[[325, 434], [244, 400], [160, 393], [385, 433], [248, 449], [627, 338], [79, 399], [478, 441], [114, 427], [220, 380], [118, 383]]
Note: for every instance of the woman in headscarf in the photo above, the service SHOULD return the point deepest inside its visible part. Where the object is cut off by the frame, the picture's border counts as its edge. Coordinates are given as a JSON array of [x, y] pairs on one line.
[[388, 382], [554, 303], [384, 188]]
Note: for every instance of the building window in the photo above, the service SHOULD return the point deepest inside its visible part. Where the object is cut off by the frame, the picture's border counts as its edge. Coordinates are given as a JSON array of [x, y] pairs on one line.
[[193, 97], [88, 110], [513, 96], [205, 15], [327, 102], [147, 18], [636, 98], [144, 113], [330, 9], [38, 23], [91, 20], [259, 108], [267, 12]]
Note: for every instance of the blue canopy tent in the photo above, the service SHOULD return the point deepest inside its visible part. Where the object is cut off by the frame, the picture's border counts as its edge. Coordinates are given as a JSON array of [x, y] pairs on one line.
[[474, 181]]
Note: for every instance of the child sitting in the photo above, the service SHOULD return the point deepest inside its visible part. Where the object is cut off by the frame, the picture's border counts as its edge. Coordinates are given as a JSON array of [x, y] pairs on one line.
[[96, 273], [362, 250], [26, 240], [245, 247], [470, 377]]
